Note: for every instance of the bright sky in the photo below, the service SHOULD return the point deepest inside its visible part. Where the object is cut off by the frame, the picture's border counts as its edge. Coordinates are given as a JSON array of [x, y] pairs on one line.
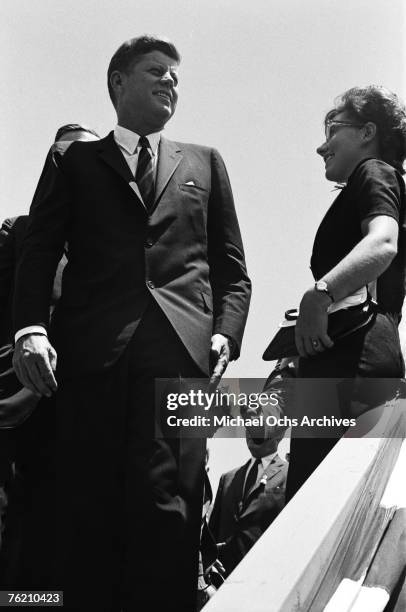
[[255, 82]]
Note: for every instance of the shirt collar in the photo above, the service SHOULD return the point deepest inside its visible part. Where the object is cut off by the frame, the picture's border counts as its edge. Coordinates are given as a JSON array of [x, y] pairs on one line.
[[265, 460], [128, 140], [350, 178]]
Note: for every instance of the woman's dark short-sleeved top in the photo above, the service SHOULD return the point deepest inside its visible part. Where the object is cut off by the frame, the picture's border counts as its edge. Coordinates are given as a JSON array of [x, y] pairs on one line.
[[374, 188]]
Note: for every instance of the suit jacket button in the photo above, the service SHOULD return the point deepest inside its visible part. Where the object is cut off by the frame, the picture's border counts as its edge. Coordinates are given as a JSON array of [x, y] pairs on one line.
[[149, 242], [150, 285]]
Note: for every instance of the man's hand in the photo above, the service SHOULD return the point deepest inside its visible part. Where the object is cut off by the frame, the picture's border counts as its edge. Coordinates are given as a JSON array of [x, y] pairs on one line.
[[311, 327], [218, 566], [34, 363], [219, 357]]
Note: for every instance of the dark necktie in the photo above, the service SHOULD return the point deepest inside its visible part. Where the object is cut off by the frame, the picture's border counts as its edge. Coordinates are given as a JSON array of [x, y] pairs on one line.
[[144, 176], [251, 478]]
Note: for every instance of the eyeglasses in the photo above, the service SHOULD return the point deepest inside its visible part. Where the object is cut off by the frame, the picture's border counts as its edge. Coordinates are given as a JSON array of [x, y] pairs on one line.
[[331, 127]]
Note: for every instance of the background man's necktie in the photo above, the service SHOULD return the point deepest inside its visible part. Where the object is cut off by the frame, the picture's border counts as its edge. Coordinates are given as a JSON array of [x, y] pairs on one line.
[[144, 176], [251, 478]]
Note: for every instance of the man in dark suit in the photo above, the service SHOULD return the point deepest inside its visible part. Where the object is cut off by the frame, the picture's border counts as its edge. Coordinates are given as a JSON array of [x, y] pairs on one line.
[[248, 499], [154, 287]]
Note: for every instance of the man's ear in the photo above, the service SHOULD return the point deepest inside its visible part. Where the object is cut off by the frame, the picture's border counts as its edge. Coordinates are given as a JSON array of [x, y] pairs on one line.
[[116, 80], [369, 132]]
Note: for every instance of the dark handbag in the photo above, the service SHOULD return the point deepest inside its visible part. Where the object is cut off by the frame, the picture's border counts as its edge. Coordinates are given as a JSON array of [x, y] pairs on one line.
[[341, 323], [16, 402]]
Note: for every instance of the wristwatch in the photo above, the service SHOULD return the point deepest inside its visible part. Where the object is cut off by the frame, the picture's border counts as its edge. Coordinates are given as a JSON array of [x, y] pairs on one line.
[[322, 287]]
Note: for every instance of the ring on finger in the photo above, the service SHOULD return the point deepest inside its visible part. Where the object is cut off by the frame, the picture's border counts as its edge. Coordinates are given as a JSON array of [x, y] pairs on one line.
[[315, 343]]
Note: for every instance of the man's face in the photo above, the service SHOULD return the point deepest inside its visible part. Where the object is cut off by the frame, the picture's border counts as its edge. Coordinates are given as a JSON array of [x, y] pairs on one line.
[[261, 448], [147, 95]]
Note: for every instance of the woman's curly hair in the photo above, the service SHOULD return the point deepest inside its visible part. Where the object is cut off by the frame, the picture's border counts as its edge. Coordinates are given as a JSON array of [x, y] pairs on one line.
[[380, 106]]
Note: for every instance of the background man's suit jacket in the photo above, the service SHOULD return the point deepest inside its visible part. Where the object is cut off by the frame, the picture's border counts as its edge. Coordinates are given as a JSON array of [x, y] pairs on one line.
[[240, 524], [187, 254]]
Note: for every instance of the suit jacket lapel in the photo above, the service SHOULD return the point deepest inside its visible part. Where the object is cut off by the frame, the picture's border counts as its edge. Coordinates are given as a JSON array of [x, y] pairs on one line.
[[272, 469], [112, 155], [168, 160]]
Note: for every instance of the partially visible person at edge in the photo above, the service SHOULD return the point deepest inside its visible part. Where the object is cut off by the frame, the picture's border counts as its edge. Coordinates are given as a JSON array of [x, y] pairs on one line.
[[358, 251], [25, 437]]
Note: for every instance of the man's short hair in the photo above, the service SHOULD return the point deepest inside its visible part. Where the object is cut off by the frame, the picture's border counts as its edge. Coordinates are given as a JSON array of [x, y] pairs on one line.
[[132, 50], [73, 127]]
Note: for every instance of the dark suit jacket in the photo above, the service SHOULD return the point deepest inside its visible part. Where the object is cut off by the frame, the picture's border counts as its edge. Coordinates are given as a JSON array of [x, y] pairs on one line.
[[240, 524], [187, 255]]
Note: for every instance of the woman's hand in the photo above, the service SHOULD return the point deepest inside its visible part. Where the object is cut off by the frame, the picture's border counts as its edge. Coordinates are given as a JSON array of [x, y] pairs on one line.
[[311, 327]]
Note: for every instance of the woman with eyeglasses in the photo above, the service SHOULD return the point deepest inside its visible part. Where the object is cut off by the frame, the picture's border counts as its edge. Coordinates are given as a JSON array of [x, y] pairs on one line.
[[358, 252]]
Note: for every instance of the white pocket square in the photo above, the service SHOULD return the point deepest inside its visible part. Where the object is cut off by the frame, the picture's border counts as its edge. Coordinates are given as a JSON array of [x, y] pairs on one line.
[[190, 183]]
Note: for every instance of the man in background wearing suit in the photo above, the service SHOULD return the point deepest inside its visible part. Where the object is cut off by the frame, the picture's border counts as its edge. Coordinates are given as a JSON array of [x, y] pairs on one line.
[[248, 499], [26, 432], [155, 287]]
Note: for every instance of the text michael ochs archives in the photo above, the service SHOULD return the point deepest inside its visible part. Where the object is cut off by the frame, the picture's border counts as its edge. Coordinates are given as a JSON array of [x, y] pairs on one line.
[[216, 410]]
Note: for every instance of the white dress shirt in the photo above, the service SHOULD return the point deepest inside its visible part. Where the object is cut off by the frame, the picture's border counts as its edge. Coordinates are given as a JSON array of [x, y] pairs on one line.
[[128, 143]]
